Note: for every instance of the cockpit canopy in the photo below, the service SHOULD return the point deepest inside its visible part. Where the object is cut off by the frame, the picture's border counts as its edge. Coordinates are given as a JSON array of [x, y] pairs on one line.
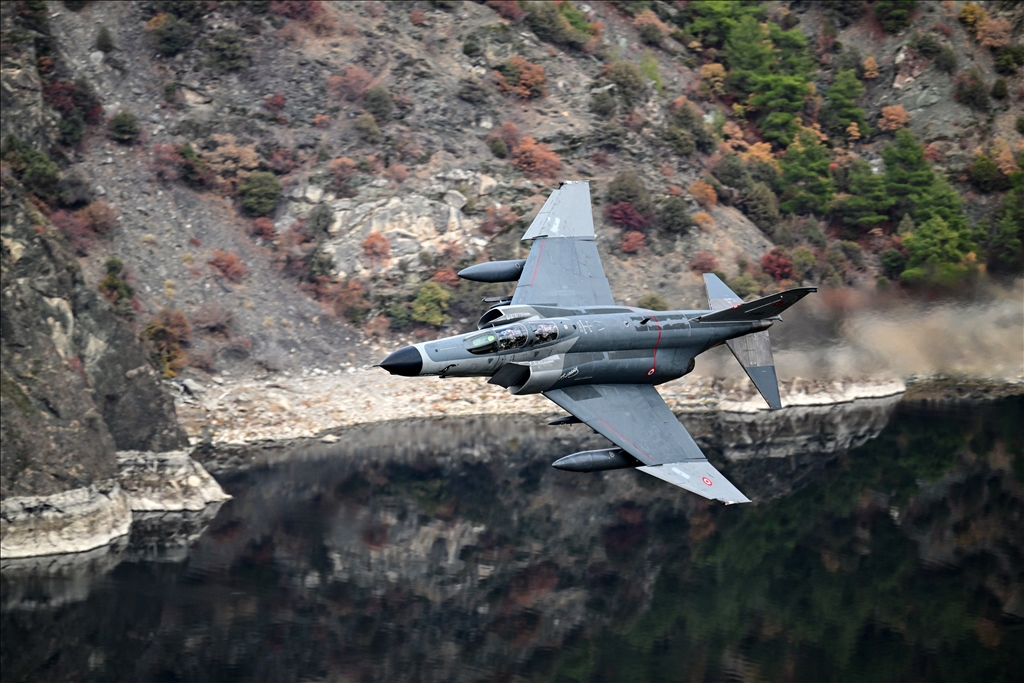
[[511, 337]]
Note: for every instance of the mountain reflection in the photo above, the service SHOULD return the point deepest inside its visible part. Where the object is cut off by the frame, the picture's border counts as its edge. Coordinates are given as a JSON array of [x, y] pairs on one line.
[[899, 559]]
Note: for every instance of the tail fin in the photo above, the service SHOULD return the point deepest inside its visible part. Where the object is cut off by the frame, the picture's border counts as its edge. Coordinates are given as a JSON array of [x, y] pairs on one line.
[[753, 351]]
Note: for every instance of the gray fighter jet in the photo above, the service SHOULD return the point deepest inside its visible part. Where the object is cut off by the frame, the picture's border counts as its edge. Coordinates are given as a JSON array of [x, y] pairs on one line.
[[562, 334]]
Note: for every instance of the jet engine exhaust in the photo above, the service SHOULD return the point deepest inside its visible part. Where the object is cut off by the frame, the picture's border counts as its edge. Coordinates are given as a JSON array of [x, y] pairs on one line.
[[596, 461]]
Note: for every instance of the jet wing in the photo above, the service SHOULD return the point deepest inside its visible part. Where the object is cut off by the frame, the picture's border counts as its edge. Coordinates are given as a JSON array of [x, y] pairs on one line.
[[636, 419], [564, 268]]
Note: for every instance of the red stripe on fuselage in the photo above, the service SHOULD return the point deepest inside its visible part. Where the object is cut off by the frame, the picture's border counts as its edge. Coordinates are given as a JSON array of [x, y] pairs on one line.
[[654, 361]]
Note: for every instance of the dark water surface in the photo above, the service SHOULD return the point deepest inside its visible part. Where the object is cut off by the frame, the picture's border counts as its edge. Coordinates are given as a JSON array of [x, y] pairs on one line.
[[899, 559]]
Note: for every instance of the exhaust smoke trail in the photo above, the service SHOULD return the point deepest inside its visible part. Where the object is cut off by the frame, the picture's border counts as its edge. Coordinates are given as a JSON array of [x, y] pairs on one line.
[[850, 335]]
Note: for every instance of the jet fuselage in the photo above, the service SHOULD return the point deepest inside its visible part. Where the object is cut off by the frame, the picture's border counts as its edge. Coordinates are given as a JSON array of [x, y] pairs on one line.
[[609, 345]]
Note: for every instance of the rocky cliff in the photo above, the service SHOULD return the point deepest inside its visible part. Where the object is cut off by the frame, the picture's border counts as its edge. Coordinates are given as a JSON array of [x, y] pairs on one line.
[[77, 383]]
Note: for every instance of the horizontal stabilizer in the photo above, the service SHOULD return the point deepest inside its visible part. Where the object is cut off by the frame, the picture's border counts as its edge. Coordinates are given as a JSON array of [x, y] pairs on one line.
[[699, 477], [759, 309], [754, 352]]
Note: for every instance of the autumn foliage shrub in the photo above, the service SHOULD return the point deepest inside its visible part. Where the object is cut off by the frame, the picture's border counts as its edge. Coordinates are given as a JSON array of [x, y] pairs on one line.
[[282, 161], [263, 227], [703, 193], [652, 30], [704, 220], [396, 173], [447, 276], [352, 84], [496, 219], [376, 247], [274, 103], [99, 216], [704, 262], [632, 242], [535, 159], [625, 215], [777, 264], [76, 230], [350, 301], [228, 265], [893, 118], [521, 78], [507, 9], [167, 336], [302, 10]]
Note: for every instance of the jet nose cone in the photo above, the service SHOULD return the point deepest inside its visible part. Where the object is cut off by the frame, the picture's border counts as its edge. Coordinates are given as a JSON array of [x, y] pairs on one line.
[[406, 361]]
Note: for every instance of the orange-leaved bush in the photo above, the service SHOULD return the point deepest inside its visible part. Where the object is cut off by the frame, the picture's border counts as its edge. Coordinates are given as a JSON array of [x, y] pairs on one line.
[[521, 78], [535, 159], [893, 118], [704, 220], [376, 247], [632, 242], [703, 193]]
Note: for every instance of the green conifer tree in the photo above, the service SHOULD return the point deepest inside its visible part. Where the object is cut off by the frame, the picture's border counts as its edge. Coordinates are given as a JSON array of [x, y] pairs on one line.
[[807, 184], [841, 104], [867, 203]]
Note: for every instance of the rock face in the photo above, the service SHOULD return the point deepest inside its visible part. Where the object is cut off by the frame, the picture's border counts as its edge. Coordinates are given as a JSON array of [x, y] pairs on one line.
[[169, 482], [412, 224], [69, 522], [77, 384], [91, 517]]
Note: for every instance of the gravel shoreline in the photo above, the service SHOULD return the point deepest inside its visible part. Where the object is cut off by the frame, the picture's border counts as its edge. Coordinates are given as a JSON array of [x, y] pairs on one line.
[[251, 411]]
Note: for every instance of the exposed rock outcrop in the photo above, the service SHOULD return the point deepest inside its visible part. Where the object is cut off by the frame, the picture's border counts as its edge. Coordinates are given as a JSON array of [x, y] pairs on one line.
[[68, 522], [77, 383], [87, 518]]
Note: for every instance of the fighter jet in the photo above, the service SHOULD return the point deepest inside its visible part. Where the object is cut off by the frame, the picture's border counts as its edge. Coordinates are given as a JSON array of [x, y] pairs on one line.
[[562, 334]]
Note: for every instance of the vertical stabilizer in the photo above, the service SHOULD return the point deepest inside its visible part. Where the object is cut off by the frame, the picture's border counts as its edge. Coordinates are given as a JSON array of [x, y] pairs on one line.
[[719, 294]]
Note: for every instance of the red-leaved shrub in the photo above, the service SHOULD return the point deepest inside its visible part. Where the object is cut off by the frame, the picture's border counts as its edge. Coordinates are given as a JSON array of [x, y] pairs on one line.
[[507, 9], [704, 262], [777, 264], [76, 230], [274, 103], [625, 215], [303, 10], [228, 265]]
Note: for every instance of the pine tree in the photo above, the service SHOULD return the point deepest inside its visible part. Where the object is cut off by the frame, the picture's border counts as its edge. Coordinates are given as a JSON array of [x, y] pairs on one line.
[[761, 206], [807, 184], [907, 173], [868, 202], [937, 252], [841, 104], [781, 98], [750, 55]]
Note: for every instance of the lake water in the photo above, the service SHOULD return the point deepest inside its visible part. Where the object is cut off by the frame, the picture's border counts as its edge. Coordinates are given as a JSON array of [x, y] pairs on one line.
[[887, 544]]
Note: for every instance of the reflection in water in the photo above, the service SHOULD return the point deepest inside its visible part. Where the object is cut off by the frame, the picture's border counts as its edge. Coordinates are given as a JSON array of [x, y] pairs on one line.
[[901, 559]]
